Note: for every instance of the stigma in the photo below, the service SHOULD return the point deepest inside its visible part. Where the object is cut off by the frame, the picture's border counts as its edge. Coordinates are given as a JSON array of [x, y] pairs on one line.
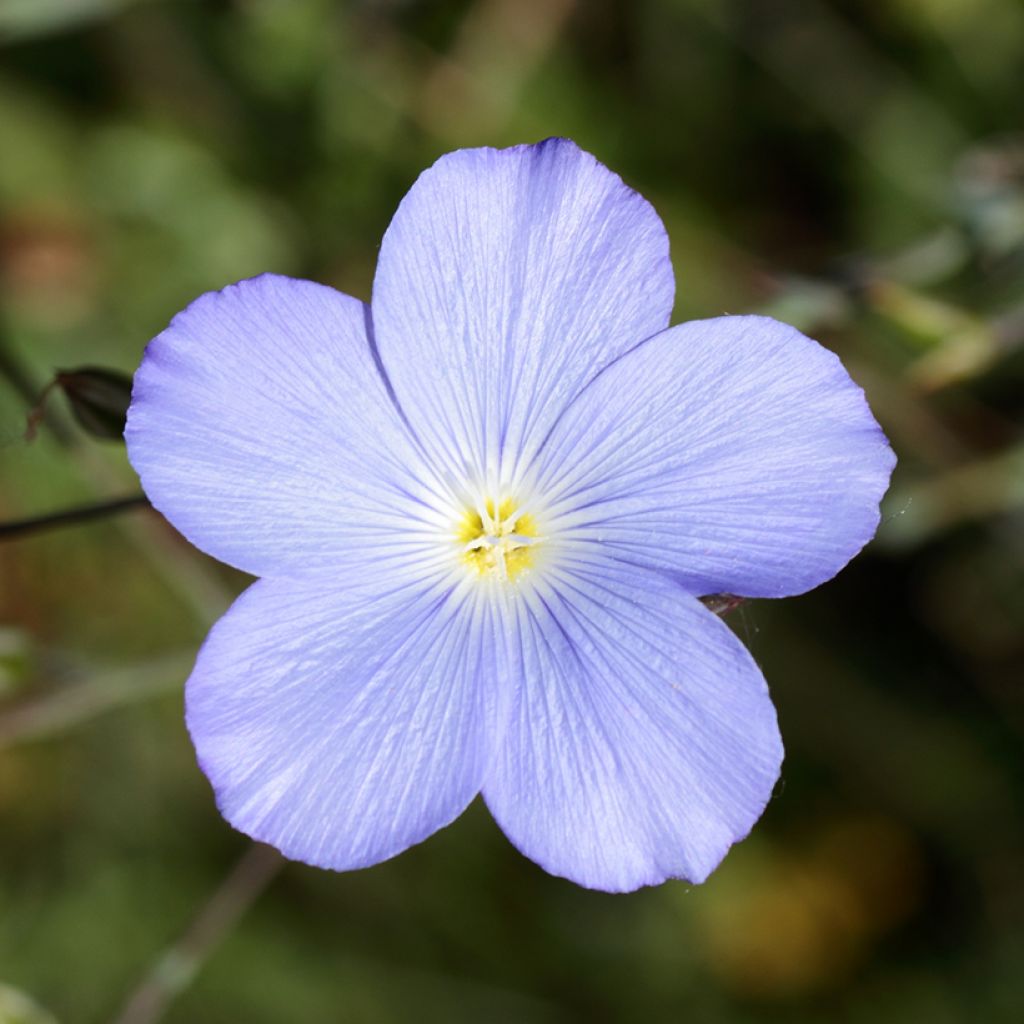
[[497, 539]]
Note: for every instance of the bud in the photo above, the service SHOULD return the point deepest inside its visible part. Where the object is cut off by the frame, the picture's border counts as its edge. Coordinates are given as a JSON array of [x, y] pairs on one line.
[[98, 398], [722, 604]]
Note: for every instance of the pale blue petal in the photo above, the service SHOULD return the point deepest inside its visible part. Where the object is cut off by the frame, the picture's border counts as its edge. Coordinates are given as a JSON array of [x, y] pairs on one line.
[[643, 742], [261, 428], [735, 453], [344, 722], [506, 280]]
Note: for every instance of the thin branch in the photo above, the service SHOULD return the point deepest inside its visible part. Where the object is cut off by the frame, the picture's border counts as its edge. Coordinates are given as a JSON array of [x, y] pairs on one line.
[[70, 516], [174, 969]]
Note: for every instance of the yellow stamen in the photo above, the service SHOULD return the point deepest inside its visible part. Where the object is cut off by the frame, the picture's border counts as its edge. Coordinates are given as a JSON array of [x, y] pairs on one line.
[[497, 538]]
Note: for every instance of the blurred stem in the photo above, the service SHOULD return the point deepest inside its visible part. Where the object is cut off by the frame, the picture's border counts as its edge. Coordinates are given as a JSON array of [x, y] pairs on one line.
[[37, 413], [71, 516], [178, 964], [979, 490], [21, 382], [65, 708]]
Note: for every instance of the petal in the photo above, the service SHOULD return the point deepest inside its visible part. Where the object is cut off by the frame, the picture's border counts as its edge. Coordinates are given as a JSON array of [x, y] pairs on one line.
[[261, 428], [735, 453], [506, 280], [342, 725], [643, 742]]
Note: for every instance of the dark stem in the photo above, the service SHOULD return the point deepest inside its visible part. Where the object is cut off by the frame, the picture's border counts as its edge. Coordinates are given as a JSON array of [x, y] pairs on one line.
[[70, 516], [172, 971]]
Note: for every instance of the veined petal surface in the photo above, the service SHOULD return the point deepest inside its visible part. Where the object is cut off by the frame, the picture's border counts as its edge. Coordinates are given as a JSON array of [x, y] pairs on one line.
[[506, 280], [642, 742], [735, 453], [344, 720], [262, 429]]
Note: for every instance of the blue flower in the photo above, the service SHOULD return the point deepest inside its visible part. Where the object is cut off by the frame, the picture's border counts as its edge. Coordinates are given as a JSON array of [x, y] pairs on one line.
[[482, 510]]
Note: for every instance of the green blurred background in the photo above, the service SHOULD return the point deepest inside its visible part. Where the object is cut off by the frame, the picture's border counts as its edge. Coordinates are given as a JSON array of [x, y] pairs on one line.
[[850, 167]]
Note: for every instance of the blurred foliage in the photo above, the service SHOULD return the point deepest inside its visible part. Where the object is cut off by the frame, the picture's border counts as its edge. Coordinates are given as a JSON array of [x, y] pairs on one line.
[[856, 169]]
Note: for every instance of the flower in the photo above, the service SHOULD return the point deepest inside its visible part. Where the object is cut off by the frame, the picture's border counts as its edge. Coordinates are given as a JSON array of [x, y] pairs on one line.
[[483, 510]]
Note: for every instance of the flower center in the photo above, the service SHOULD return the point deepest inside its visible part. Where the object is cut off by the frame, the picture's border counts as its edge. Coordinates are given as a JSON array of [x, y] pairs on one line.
[[497, 539]]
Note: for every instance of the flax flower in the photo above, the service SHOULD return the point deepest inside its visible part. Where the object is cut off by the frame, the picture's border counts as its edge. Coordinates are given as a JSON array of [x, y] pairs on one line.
[[482, 510]]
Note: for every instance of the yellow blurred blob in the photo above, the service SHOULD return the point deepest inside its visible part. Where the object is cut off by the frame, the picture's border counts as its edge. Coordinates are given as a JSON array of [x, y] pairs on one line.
[[787, 924]]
